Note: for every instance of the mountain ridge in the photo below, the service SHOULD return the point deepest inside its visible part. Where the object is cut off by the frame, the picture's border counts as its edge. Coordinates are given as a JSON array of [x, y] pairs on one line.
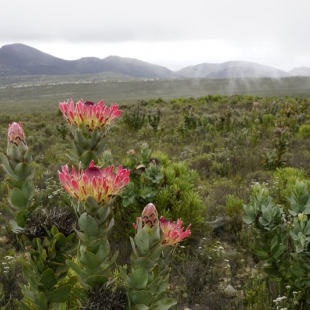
[[20, 59]]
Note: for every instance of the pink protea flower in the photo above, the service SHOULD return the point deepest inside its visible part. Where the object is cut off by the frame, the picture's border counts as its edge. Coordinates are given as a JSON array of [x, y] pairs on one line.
[[101, 183], [173, 231], [89, 114], [16, 135]]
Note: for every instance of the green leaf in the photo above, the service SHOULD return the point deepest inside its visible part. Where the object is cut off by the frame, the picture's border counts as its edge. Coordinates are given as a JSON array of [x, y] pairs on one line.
[[141, 307], [24, 171], [23, 306], [110, 226], [94, 245], [293, 235], [164, 304], [38, 200], [79, 293], [143, 297], [94, 280], [89, 260], [82, 236], [140, 278], [31, 277], [100, 147], [142, 241], [73, 156], [134, 249], [80, 140], [18, 200], [298, 272], [60, 294], [153, 287], [91, 205], [7, 167], [248, 220], [94, 139], [280, 251], [87, 157], [156, 252], [13, 183], [102, 214], [14, 227], [307, 229], [88, 224], [103, 250], [61, 240], [261, 254], [75, 267], [54, 230], [6, 208], [28, 155], [21, 217], [144, 262], [40, 301], [48, 278], [28, 189], [107, 263]]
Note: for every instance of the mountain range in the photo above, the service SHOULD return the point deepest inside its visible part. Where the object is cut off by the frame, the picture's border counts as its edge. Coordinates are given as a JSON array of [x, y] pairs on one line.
[[19, 59]]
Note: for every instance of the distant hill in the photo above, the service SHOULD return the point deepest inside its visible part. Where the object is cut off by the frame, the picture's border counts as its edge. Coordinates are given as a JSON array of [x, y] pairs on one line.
[[20, 60], [302, 71], [231, 69]]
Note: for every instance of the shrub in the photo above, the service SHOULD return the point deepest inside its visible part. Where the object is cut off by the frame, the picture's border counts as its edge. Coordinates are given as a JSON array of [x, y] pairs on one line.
[[134, 118], [283, 238], [304, 131]]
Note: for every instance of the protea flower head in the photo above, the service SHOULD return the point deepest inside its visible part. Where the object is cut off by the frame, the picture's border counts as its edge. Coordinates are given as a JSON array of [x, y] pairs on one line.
[[16, 136], [173, 231], [89, 114], [100, 183]]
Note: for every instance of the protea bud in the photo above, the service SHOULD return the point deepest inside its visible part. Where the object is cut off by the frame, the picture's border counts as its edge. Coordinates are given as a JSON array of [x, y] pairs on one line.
[[17, 145], [150, 215]]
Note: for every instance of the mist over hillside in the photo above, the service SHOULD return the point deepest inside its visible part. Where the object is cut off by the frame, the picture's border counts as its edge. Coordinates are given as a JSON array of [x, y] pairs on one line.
[[22, 60], [302, 71], [232, 69]]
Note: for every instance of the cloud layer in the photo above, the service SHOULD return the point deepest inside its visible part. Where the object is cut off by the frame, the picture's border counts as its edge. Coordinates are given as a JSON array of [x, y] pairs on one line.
[[271, 30]]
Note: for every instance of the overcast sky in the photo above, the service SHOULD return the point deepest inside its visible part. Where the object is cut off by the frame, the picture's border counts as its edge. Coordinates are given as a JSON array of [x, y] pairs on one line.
[[172, 33]]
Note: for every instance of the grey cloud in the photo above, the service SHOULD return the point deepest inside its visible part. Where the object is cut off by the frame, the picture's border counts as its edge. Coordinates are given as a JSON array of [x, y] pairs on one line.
[[272, 28], [153, 20]]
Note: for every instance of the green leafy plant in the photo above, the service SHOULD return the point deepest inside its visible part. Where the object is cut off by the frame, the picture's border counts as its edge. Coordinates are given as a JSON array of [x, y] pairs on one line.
[[134, 118], [62, 130], [154, 119], [282, 238], [274, 158]]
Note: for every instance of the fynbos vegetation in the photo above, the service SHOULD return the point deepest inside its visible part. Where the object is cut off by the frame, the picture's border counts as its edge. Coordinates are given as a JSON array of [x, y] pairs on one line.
[[165, 204]]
